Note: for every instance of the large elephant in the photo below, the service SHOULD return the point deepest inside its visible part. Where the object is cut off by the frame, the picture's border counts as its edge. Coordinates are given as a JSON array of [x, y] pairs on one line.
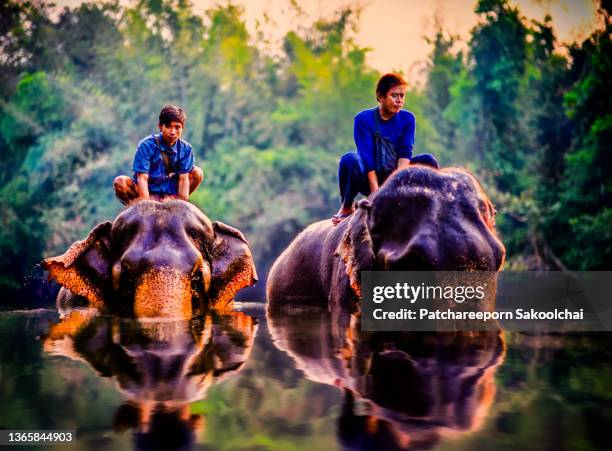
[[155, 259], [420, 219]]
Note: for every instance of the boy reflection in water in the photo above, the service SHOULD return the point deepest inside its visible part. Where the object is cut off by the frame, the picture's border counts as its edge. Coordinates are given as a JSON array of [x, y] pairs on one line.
[[159, 426]]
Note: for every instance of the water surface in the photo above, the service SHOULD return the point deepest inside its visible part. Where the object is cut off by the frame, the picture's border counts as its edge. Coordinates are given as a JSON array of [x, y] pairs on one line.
[[223, 383]]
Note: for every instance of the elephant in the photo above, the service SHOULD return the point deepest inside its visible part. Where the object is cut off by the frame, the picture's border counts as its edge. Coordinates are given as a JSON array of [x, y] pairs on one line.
[[159, 366], [421, 219], [156, 360], [400, 390], [155, 259]]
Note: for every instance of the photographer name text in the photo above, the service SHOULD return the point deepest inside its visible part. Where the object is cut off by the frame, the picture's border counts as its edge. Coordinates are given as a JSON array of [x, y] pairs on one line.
[[448, 314]]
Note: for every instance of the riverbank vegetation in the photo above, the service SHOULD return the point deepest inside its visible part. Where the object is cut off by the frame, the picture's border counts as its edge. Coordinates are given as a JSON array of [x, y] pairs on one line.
[[530, 117]]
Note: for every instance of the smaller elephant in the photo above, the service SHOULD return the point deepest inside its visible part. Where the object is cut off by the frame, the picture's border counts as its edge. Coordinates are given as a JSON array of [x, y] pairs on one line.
[[155, 259], [421, 219]]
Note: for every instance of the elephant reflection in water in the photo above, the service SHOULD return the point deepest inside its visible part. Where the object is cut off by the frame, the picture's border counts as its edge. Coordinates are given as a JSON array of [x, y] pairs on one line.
[[401, 390], [159, 366]]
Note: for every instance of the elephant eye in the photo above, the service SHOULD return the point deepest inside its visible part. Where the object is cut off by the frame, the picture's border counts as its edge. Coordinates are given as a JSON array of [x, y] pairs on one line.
[[197, 236], [194, 233], [123, 233]]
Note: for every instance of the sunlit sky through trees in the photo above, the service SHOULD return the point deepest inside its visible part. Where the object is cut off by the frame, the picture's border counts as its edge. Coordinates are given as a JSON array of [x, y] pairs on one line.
[[394, 29]]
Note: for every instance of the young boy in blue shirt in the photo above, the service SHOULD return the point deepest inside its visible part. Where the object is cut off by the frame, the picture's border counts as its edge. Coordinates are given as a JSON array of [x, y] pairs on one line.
[[164, 165]]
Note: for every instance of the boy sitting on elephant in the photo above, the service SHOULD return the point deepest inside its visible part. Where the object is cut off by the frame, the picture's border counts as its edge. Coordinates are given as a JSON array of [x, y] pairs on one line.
[[164, 165], [360, 172]]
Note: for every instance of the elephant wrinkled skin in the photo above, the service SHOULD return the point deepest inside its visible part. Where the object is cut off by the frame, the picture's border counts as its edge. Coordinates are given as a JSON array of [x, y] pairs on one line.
[[155, 259], [421, 219]]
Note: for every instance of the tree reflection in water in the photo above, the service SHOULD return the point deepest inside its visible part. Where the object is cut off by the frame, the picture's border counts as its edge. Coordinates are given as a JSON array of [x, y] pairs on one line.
[[402, 390], [159, 366]]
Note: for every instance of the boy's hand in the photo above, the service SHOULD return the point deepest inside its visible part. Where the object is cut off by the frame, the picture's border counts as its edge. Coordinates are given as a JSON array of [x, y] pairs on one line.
[[403, 163], [183, 186], [373, 181]]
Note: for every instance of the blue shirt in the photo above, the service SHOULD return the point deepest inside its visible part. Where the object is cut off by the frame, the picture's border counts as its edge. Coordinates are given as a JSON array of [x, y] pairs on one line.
[[148, 160], [399, 129]]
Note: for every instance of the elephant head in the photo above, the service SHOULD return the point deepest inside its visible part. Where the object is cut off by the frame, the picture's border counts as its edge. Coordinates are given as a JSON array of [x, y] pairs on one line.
[[422, 219], [157, 259]]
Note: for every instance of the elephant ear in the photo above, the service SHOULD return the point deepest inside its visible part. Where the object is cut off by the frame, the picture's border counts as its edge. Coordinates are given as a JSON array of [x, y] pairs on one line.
[[233, 265], [355, 248], [84, 269]]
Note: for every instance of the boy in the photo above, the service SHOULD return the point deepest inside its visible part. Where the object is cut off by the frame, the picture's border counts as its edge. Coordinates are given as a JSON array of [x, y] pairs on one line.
[[164, 163], [357, 171]]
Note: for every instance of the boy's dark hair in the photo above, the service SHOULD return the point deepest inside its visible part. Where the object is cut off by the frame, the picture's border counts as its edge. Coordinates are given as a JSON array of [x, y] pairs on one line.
[[171, 113], [387, 82]]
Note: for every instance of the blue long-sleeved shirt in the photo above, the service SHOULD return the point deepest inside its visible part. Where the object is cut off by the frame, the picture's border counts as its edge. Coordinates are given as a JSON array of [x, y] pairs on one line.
[[399, 129]]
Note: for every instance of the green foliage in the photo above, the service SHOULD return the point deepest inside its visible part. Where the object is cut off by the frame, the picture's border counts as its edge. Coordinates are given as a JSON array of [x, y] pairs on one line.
[[26, 45], [34, 108], [71, 128], [444, 71], [270, 195], [535, 128], [332, 82], [582, 210], [79, 91], [498, 49]]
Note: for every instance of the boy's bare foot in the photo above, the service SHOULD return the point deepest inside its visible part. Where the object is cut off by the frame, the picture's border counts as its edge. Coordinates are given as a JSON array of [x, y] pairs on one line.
[[342, 213]]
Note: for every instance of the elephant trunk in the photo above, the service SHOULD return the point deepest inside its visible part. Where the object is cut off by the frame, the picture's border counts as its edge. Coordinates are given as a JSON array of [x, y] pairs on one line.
[[163, 292]]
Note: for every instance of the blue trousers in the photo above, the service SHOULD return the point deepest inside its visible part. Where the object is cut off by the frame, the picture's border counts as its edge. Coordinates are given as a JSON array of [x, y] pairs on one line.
[[353, 178]]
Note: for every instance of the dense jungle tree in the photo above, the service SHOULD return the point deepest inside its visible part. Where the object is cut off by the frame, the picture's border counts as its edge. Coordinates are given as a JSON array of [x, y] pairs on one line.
[[80, 87]]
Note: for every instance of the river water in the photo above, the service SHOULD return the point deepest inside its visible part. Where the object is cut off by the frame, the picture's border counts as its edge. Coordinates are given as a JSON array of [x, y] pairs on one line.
[[301, 381]]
